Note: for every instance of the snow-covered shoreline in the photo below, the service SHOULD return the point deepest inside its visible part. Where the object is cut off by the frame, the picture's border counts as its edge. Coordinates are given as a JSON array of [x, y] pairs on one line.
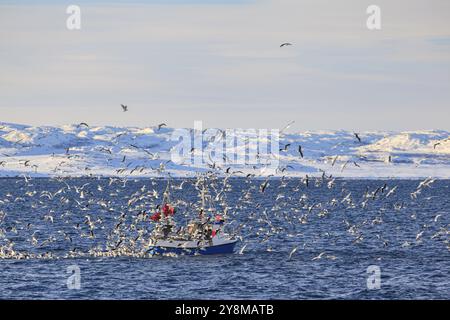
[[79, 150]]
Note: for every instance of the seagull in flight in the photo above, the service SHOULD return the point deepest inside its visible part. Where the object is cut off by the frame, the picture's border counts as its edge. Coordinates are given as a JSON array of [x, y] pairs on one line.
[[357, 137], [300, 151], [292, 252], [285, 44], [319, 256], [264, 185], [286, 127], [124, 108], [286, 147], [242, 249]]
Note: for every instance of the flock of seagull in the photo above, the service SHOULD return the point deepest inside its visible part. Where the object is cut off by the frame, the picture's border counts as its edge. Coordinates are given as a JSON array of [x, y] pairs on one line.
[[99, 217]]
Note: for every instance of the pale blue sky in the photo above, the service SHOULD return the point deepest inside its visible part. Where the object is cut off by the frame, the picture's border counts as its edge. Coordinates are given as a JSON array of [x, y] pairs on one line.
[[219, 61]]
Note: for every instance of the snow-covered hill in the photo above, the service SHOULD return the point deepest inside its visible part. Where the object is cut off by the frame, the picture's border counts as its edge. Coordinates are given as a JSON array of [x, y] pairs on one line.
[[79, 150]]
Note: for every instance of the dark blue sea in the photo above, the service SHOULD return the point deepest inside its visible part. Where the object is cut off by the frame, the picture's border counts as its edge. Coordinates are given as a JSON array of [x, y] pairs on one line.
[[50, 227]]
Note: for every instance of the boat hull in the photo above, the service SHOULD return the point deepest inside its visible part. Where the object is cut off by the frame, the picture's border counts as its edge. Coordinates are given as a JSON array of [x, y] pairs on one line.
[[191, 248]]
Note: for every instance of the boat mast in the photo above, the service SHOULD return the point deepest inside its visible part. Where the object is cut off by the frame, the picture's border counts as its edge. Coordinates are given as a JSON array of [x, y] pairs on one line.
[[166, 194], [203, 196]]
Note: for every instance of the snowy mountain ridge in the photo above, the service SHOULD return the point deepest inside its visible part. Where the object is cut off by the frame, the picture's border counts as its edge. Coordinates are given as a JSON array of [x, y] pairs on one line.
[[80, 150]]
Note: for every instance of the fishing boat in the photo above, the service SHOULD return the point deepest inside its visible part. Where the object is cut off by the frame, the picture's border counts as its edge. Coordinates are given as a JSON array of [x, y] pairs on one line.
[[219, 244], [201, 236]]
